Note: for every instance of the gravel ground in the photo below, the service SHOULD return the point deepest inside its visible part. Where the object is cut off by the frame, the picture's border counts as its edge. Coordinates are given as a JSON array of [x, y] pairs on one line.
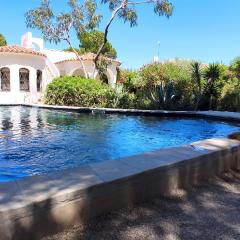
[[209, 211]]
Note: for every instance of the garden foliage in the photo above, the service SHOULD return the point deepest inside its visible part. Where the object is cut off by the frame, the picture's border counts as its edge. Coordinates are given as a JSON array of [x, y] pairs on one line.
[[77, 91], [176, 85]]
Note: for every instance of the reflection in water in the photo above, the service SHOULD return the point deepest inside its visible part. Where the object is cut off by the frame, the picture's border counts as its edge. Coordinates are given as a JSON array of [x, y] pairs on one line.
[[34, 141], [6, 121], [6, 124]]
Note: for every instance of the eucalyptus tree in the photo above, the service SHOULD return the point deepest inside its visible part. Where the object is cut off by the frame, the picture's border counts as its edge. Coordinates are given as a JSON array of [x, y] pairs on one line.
[[57, 27], [126, 10]]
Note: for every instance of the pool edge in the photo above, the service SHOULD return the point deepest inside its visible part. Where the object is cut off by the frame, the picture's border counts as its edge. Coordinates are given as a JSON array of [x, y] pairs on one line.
[[44, 204]]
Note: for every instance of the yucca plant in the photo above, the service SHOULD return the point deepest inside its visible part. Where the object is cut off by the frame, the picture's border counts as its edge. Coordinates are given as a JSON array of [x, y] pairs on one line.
[[211, 75], [166, 94]]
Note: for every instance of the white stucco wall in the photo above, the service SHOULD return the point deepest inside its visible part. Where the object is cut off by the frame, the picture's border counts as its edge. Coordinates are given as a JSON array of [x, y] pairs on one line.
[[57, 55], [27, 56], [50, 70], [33, 63], [69, 67]]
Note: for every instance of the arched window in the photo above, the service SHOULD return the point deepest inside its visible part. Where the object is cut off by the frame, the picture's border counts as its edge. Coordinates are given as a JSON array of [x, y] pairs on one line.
[[39, 80], [5, 79], [24, 79]]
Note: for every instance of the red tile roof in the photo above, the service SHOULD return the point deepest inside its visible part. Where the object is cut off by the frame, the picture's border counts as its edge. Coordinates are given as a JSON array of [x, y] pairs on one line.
[[86, 57], [23, 50], [18, 49]]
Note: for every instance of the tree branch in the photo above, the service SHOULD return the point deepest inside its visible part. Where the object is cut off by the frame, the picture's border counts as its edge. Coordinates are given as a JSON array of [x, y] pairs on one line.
[[67, 39], [139, 3], [122, 6]]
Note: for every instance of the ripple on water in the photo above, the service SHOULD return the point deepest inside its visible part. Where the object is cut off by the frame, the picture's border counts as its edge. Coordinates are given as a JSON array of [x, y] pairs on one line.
[[35, 141]]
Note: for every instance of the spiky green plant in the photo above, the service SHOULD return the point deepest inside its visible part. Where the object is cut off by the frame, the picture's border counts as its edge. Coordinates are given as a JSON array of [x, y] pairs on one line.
[[211, 75]]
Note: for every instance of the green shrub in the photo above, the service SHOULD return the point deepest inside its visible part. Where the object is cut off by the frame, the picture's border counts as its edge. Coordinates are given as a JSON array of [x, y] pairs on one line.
[[169, 86], [127, 100], [230, 97], [77, 91], [128, 79]]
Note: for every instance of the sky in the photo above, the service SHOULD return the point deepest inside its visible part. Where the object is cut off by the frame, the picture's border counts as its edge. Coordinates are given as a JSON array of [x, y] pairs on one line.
[[204, 30]]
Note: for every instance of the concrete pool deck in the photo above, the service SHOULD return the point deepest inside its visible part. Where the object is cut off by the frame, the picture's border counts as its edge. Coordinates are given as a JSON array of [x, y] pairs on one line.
[[40, 205]]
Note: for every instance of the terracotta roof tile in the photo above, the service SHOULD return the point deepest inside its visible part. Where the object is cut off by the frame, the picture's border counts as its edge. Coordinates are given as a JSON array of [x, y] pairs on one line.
[[19, 49], [85, 57]]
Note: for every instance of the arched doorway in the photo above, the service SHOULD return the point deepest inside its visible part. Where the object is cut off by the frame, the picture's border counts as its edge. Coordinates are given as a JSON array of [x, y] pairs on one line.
[[78, 73], [104, 78]]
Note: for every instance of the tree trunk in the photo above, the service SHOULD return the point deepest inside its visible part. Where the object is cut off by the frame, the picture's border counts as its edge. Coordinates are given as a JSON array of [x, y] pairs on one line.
[[78, 57], [114, 14]]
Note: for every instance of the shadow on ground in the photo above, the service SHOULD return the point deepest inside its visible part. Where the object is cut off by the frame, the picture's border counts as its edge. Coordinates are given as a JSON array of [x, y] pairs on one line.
[[207, 211]]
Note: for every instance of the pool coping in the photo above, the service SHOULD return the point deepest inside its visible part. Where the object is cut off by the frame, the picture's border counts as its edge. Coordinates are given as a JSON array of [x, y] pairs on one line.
[[219, 115], [61, 199], [229, 116]]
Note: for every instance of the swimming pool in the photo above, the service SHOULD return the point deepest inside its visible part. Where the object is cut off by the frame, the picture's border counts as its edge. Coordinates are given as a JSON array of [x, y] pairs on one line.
[[35, 141]]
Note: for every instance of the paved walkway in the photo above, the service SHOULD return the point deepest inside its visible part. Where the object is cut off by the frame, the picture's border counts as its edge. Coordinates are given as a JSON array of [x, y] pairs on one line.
[[207, 212]]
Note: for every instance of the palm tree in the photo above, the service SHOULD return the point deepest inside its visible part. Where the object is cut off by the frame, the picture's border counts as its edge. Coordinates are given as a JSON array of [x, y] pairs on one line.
[[196, 73], [212, 74]]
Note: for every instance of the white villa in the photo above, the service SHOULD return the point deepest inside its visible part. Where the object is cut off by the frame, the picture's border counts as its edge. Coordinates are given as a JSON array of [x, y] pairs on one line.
[[26, 70]]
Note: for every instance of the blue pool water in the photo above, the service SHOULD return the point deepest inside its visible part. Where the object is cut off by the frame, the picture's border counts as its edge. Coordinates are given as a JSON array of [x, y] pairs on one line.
[[35, 141]]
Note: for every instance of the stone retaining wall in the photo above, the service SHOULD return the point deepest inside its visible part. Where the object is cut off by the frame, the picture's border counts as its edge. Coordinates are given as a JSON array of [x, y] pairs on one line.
[[40, 205]]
